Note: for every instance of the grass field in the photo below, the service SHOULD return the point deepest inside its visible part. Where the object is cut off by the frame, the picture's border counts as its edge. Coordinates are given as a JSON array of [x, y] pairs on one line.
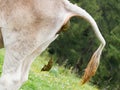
[[58, 78]]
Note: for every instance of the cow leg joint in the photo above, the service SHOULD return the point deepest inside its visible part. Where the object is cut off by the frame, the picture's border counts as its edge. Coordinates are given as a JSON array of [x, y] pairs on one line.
[[11, 80]]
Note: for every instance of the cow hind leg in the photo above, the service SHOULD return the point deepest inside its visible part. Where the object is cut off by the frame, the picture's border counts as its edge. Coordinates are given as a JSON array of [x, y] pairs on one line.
[[15, 73], [28, 61], [10, 80]]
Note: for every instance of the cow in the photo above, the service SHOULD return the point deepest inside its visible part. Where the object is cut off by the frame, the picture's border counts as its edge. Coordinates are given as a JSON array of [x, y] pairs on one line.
[[27, 29]]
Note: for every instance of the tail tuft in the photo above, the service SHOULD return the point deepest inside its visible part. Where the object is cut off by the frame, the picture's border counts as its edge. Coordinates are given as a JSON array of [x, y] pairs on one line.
[[91, 67]]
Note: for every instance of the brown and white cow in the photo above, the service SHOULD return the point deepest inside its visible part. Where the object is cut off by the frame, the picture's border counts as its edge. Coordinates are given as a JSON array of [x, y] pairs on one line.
[[28, 27]]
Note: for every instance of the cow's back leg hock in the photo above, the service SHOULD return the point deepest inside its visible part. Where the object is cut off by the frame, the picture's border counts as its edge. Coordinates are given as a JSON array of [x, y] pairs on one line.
[[10, 78]]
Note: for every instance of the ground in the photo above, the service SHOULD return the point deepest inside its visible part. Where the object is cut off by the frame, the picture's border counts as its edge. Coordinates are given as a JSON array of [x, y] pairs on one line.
[[58, 78]]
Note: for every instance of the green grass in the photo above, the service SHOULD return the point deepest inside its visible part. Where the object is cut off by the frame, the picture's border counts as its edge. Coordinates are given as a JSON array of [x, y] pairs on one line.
[[58, 78]]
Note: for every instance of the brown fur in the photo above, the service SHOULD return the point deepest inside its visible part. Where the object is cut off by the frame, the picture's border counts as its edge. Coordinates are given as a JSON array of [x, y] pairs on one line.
[[92, 66], [64, 27]]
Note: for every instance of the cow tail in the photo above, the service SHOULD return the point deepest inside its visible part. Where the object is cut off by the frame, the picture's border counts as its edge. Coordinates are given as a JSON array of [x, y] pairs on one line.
[[95, 59]]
